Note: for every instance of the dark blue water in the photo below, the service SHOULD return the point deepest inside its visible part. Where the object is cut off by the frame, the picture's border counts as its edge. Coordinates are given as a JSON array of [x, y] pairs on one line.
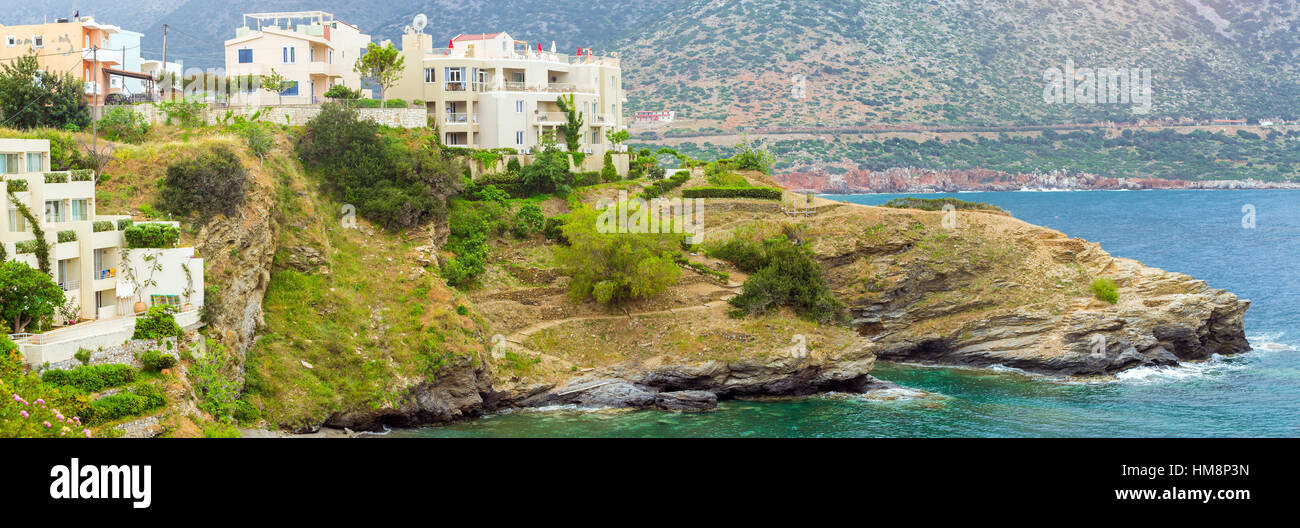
[[1200, 233]]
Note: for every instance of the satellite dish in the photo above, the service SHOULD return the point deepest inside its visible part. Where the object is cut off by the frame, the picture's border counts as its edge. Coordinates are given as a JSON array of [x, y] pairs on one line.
[[419, 22]]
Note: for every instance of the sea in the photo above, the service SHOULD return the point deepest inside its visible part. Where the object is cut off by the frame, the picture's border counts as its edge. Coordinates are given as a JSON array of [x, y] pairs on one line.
[[1247, 242]]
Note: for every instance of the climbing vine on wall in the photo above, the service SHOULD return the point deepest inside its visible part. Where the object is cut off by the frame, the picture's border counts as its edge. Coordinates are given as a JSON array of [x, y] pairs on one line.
[[42, 247]]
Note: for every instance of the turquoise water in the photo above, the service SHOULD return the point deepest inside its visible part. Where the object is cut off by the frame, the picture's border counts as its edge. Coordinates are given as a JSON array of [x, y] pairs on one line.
[[1195, 232]]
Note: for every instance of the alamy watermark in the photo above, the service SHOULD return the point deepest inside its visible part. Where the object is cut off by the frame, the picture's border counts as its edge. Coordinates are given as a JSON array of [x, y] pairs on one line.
[[1098, 86], [660, 215]]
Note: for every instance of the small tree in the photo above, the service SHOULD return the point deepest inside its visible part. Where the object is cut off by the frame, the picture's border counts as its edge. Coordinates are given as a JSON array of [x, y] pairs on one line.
[[617, 137], [613, 267], [61, 101], [383, 64], [27, 295], [275, 82]]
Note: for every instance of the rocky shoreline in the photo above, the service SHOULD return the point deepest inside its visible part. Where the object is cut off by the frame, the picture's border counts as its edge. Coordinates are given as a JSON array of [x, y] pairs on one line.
[[915, 180]]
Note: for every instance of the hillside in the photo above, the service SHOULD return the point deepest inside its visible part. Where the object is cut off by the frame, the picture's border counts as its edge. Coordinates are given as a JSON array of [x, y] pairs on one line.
[[733, 64]]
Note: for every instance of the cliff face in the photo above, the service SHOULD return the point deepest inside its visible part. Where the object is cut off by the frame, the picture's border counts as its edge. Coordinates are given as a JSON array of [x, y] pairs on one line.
[[993, 290]]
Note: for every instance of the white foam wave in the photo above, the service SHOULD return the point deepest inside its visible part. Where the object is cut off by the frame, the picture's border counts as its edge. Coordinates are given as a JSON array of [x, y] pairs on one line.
[[1215, 365]]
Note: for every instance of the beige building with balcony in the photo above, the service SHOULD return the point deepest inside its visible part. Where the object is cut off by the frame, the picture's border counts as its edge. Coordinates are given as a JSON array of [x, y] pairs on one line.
[[312, 49], [69, 46], [85, 249], [492, 91]]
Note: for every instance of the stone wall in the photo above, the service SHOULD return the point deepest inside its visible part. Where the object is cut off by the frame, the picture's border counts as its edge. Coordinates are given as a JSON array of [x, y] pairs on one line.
[[297, 115]]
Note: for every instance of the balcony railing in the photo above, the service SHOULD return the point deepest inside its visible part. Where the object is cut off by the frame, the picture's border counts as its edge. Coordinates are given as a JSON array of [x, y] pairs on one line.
[[70, 285], [457, 117], [552, 117], [561, 87], [514, 86], [105, 274]]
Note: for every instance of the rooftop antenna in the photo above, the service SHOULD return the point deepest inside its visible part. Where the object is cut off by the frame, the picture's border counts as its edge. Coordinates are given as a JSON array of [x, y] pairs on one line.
[[419, 22]]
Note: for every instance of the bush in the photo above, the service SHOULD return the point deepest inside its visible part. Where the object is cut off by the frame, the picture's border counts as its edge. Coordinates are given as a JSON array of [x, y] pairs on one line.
[[366, 103], [210, 182], [246, 413], [138, 400], [124, 223], [762, 193], [719, 176], [102, 226], [56, 177], [551, 229], [936, 204], [1105, 289], [394, 103], [91, 378], [661, 187], [586, 178], [746, 255], [82, 355], [121, 123], [81, 175], [155, 361], [67, 235], [608, 172], [789, 277], [340, 91], [16, 185], [151, 236], [390, 182], [615, 267], [528, 221], [213, 382], [158, 323]]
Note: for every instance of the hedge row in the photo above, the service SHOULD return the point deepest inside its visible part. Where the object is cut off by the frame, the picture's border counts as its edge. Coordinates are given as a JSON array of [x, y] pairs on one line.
[[151, 236], [660, 187], [762, 193], [101, 226], [137, 400], [17, 185], [92, 378]]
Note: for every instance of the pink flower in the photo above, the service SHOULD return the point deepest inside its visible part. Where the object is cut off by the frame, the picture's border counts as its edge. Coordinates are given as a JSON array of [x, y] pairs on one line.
[[47, 424], [40, 401], [24, 413], [18, 398], [87, 431]]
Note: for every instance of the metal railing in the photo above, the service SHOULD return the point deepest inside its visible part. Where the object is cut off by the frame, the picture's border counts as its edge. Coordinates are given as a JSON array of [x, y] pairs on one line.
[[105, 274], [552, 117], [70, 285], [457, 117]]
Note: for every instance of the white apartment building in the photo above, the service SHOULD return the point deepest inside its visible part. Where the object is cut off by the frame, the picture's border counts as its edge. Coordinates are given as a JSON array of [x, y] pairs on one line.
[[85, 252], [312, 49], [492, 91]]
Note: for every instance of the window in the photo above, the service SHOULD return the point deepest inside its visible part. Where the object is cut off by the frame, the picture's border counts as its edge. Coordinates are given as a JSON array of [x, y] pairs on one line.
[[331, 56], [54, 211], [455, 79], [290, 54], [311, 54], [519, 138], [292, 89], [595, 137], [245, 56], [519, 106], [11, 41], [9, 163], [429, 75], [38, 41], [17, 222], [78, 211], [34, 162]]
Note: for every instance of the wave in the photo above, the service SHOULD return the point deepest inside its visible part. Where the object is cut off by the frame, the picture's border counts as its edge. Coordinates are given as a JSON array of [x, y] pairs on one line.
[[1216, 365]]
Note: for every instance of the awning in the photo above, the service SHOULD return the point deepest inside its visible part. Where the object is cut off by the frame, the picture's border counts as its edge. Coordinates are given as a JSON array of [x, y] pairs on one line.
[[131, 74]]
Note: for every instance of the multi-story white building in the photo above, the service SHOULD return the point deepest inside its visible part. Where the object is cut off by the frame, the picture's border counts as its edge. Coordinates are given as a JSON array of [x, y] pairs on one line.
[[310, 48], [492, 91], [86, 254]]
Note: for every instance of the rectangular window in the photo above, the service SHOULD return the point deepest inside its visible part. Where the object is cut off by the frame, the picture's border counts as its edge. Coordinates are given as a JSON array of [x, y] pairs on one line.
[[78, 212], [9, 163], [429, 76], [245, 56], [17, 222], [292, 89], [290, 54], [11, 41], [331, 56], [519, 106], [519, 138], [455, 79], [34, 162], [54, 211], [38, 41], [311, 54]]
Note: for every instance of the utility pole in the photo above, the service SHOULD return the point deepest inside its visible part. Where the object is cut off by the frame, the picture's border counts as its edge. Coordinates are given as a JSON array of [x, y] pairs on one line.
[[94, 115], [164, 59]]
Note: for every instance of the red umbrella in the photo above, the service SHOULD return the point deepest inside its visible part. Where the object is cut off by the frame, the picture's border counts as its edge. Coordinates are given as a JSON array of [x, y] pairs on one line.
[[451, 44], [539, 47], [579, 52]]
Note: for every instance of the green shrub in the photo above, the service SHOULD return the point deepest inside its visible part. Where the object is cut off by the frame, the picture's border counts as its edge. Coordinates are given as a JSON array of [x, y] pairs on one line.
[[67, 235], [366, 103], [138, 400], [608, 172], [82, 355], [155, 361], [583, 179], [746, 255], [101, 226], [615, 267], [762, 193], [936, 204], [394, 103], [246, 413], [16, 185], [551, 229], [211, 375], [528, 221], [789, 277], [157, 323], [661, 187], [1105, 289], [81, 175], [151, 236], [91, 378], [121, 123], [56, 177], [124, 223], [211, 181], [26, 246]]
